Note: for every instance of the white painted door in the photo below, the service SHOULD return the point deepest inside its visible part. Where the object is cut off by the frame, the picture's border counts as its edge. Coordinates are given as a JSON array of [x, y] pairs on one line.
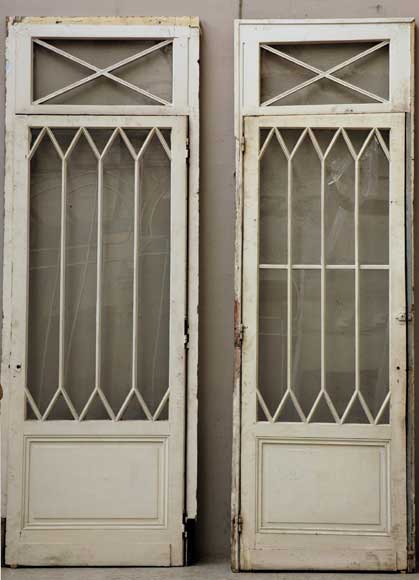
[[323, 473], [97, 358]]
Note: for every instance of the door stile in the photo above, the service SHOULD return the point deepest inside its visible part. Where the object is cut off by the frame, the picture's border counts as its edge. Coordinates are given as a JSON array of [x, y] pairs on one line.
[[177, 377], [19, 218], [249, 346], [398, 339]]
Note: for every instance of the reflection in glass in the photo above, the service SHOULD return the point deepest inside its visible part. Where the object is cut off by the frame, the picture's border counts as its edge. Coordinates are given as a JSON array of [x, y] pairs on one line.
[[339, 204], [306, 218], [273, 203], [117, 275], [279, 75], [80, 279], [340, 337], [152, 72], [373, 205], [154, 275], [306, 343], [44, 273], [272, 360], [374, 337]]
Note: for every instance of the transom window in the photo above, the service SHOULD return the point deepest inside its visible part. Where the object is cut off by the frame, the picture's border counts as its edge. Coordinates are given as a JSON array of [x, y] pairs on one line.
[[102, 71], [324, 73]]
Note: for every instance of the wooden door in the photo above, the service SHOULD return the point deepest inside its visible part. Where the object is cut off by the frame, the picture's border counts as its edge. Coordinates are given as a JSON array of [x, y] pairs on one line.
[[97, 344], [323, 452]]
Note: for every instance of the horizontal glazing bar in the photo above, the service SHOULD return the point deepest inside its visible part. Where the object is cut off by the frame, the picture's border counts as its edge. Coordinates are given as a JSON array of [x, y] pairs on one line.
[[328, 266]]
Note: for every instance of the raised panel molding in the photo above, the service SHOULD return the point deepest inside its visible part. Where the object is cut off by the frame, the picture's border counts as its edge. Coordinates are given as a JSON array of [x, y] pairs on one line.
[[80, 481], [318, 485]]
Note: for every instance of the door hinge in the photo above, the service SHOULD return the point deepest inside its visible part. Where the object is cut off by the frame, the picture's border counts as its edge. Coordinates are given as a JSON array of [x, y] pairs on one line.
[[238, 341], [186, 334], [403, 317], [243, 144], [187, 148], [239, 524]]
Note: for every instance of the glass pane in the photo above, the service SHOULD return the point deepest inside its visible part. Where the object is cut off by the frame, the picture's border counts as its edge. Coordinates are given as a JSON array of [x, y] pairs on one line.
[[117, 275], [272, 362], [152, 72], [370, 73], [80, 290], [306, 324], [44, 273], [340, 337], [374, 337], [374, 205], [279, 75], [339, 204], [154, 291], [273, 203], [306, 200], [80, 281]]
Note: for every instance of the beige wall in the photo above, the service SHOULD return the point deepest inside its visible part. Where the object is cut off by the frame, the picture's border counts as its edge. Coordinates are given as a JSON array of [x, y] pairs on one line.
[[217, 203]]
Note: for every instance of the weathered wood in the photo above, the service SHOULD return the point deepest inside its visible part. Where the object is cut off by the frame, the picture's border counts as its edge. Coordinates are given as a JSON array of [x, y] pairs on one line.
[[176, 438], [250, 543]]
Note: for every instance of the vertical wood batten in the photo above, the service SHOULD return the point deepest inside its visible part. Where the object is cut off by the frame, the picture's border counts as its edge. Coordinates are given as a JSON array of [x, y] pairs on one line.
[[63, 237], [99, 270], [322, 280], [289, 278], [137, 221], [356, 227]]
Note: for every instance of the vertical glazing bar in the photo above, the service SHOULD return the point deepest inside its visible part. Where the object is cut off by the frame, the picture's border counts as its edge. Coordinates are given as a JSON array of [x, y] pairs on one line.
[[98, 359], [322, 282], [289, 279], [61, 339], [137, 221], [356, 219]]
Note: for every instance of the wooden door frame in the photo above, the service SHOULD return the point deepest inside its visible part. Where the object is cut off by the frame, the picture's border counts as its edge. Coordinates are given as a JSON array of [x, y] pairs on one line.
[[248, 33], [185, 31]]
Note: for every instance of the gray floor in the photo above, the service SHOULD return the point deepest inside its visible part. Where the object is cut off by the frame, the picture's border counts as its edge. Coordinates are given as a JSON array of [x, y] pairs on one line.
[[204, 571]]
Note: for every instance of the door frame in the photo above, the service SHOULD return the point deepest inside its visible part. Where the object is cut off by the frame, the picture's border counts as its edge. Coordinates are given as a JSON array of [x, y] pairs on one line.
[[185, 31], [248, 35]]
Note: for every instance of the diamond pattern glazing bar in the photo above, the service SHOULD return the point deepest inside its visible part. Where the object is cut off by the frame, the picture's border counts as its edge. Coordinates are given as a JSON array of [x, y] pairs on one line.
[[351, 386], [149, 151]]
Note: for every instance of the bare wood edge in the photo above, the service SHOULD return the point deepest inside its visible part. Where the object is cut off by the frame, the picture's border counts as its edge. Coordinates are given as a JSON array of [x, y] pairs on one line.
[[299, 21], [410, 317], [236, 447], [7, 262], [191, 507], [191, 21]]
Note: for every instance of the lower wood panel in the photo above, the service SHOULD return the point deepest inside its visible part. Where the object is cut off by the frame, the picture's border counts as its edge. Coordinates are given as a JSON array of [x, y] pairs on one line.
[[309, 559], [100, 554]]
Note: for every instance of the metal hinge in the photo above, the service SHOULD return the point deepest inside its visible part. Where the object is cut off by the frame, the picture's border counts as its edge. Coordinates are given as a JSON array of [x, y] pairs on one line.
[[187, 148], [186, 334], [239, 524], [238, 341], [403, 317], [243, 144]]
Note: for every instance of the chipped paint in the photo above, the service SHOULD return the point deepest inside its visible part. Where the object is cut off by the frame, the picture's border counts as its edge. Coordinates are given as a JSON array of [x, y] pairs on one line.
[[191, 21]]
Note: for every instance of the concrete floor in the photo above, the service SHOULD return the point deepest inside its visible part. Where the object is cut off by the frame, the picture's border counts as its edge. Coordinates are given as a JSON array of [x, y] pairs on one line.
[[202, 571]]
